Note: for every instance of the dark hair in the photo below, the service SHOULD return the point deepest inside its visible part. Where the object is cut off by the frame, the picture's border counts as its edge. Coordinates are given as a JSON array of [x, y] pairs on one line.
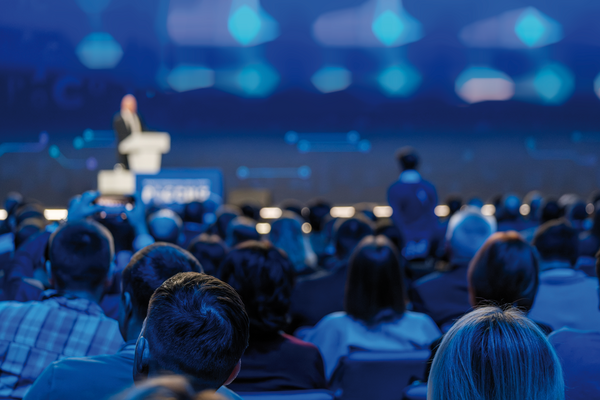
[[240, 230], [375, 283], [556, 240], [210, 250], [505, 271], [550, 211], [150, 267], [27, 229], [80, 254], [408, 158], [348, 234], [165, 226], [225, 215], [197, 325], [318, 212], [194, 212], [264, 278]]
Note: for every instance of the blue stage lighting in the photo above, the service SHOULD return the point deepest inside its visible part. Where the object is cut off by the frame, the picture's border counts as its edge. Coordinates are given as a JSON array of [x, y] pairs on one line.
[[332, 79], [99, 50], [388, 27], [244, 25], [554, 84], [530, 28], [189, 77], [477, 84], [597, 85], [78, 143], [399, 80], [257, 80]]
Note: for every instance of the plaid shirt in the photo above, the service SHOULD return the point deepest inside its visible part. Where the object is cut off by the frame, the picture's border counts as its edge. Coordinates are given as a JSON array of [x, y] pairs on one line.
[[36, 333]]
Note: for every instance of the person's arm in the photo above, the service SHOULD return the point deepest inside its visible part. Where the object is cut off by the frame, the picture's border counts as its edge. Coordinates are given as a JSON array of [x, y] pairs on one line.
[[42, 387], [137, 219], [83, 206]]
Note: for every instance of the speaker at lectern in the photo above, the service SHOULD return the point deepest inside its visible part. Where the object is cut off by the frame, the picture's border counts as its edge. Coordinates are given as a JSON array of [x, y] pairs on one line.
[[144, 151]]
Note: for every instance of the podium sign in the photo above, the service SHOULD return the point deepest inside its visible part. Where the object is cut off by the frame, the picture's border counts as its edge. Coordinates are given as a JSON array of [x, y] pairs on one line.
[[180, 186], [144, 151]]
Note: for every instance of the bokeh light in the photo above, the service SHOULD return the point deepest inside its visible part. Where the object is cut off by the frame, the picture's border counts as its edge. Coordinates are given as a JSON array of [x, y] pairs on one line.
[[477, 84], [332, 79], [399, 80], [99, 50], [190, 77]]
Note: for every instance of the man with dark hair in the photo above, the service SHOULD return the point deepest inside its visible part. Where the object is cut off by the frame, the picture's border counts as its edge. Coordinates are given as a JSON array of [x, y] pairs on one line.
[[413, 201], [196, 326], [67, 322], [77, 378], [566, 297]]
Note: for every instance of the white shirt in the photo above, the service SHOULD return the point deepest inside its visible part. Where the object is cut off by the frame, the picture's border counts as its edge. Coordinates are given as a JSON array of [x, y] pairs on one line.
[[132, 121]]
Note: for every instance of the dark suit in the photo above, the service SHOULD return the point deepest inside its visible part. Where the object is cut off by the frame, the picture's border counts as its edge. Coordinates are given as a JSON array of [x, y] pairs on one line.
[[121, 132]]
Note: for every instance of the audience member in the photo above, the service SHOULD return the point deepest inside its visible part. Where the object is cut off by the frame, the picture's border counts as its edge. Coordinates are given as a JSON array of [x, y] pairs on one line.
[[225, 214], [169, 387], [509, 214], [239, 230], [413, 201], [578, 353], [165, 226], [66, 322], [495, 354], [566, 296], [375, 316], [264, 278], [286, 234], [317, 214], [77, 378], [322, 293], [210, 250], [589, 241], [444, 295], [197, 327]]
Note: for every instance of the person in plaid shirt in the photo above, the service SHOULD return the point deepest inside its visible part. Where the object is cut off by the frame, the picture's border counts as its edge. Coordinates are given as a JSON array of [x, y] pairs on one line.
[[66, 322]]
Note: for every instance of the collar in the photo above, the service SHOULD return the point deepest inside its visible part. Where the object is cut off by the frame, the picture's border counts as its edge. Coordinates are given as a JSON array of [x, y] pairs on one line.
[[410, 176], [561, 276], [128, 347], [72, 302]]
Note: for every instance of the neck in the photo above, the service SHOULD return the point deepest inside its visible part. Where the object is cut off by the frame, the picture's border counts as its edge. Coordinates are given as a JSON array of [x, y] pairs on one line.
[[94, 296], [134, 328]]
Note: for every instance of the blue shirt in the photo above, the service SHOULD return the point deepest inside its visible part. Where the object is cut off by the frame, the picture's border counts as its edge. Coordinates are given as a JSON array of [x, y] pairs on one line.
[[337, 333], [37, 333], [91, 378]]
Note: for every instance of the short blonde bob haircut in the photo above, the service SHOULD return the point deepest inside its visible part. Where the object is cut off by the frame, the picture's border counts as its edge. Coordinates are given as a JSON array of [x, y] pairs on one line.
[[495, 354]]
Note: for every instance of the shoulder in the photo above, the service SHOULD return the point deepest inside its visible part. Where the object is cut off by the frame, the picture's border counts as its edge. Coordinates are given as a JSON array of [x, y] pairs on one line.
[[418, 319], [569, 335], [228, 393]]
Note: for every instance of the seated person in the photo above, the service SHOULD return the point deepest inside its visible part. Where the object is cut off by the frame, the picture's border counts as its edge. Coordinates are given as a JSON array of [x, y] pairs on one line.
[[225, 214], [444, 295], [210, 250], [286, 234], [170, 387], [264, 278], [322, 293], [375, 316], [212, 332], [494, 354], [77, 378], [566, 297], [67, 321], [578, 352], [165, 226], [239, 230]]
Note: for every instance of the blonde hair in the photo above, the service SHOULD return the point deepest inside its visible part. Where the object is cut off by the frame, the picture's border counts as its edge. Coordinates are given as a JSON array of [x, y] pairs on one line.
[[495, 354]]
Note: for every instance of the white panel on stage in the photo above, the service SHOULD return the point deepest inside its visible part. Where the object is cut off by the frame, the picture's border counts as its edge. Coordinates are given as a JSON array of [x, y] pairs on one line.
[[116, 182], [144, 151]]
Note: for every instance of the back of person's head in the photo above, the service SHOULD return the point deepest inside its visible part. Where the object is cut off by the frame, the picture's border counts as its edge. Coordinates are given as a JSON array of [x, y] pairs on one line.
[[348, 233], [165, 226], [467, 230], [80, 255], [286, 234], [193, 212], [550, 211], [240, 230], [504, 271], [210, 250], [28, 228], [495, 354], [556, 240], [407, 158], [534, 200], [169, 387], [29, 209], [250, 210], [577, 212], [387, 228], [510, 208], [196, 326], [454, 204], [264, 278], [375, 285], [225, 214], [292, 205], [318, 211], [149, 268]]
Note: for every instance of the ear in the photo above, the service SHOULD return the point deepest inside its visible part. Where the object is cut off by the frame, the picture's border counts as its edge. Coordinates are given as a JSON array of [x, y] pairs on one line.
[[127, 305], [234, 373], [49, 273], [141, 361]]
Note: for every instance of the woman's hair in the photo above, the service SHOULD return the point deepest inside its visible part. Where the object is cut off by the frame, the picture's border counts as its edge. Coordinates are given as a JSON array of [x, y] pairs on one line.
[[495, 354], [264, 278], [286, 234], [375, 283], [169, 387], [504, 271], [209, 250]]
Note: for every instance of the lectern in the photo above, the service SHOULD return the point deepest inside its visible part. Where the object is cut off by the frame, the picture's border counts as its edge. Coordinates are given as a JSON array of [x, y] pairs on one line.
[[144, 151]]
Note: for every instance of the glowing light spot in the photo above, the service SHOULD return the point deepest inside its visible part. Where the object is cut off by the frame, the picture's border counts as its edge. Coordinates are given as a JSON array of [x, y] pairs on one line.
[[442, 211], [383, 211], [55, 214], [525, 209], [399, 80], [3, 215], [388, 27], [244, 25], [530, 28], [306, 228], [342, 212], [54, 151], [597, 85], [332, 79], [263, 228], [554, 84], [257, 80], [479, 84], [188, 77], [78, 142], [270, 212], [488, 210], [589, 208], [99, 50]]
